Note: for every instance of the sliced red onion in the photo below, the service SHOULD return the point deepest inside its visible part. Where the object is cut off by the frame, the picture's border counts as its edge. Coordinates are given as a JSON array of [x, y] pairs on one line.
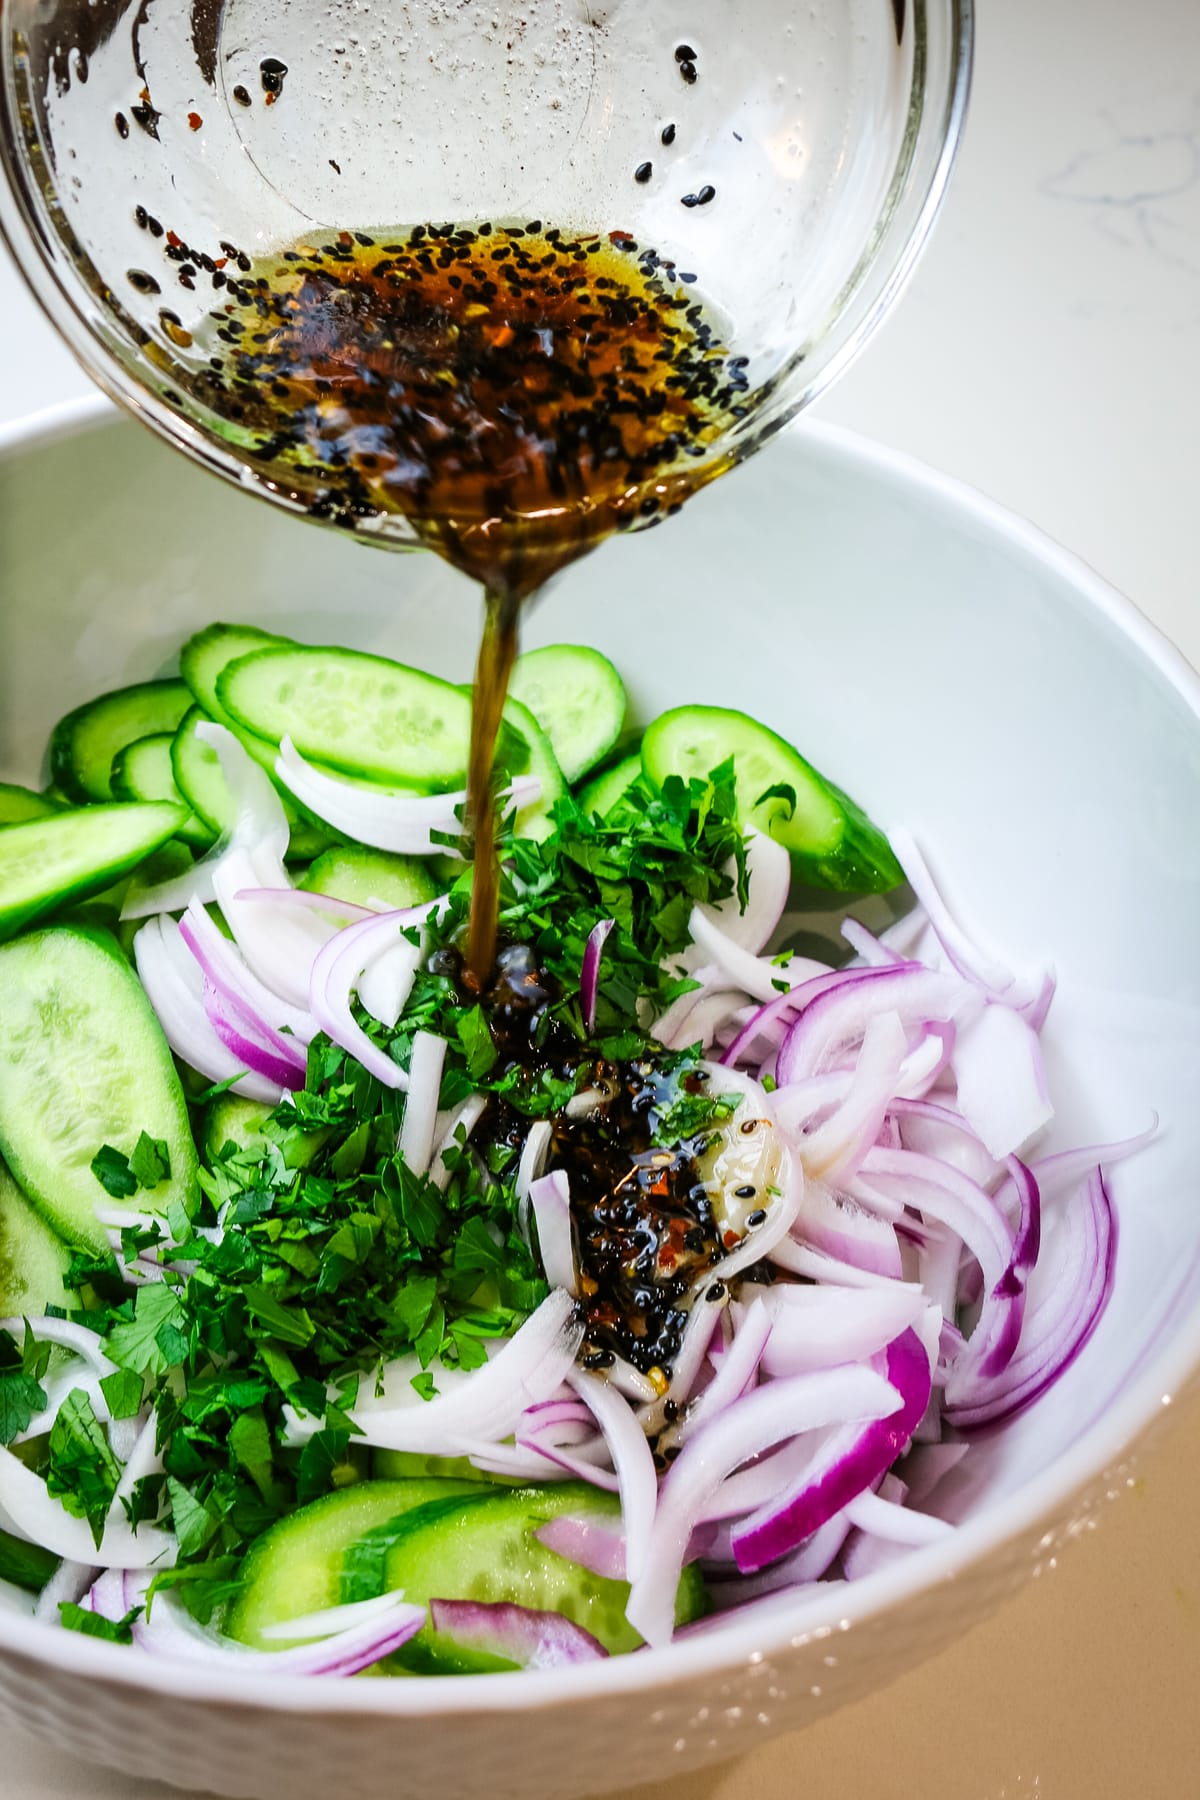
[[897, 1524], [335, 975], [378, 1628], [839, 1227], [836, 1148], [757, 976], [286, 1028], [387, 981], [386, 819], [763, 1611], [631, 1459], [517, 1634], [773, 1412], [630, 1381], [595, 1541], [872, 951], [673, 1027], [488, 1402], [706, 1308], [821, 1327], [420, 1107], [67, 1335], [987, 972], [1063, 1172], [459, 1129], [346, 910], [852, 1461], [550, 1196], [42, 1518], [812, 1560], [760, 1241], [533, 1160], [934, 1128], [947, 1196], [249, 1051], [736, 1374], [817, 1265], [280, 944], [833, 1023], [589, 975], [175, 988], [1001, 1080], [1073, 1288]]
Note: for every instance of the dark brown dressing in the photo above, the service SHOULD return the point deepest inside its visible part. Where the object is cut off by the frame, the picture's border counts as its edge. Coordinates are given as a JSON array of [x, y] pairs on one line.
[[517, 393]]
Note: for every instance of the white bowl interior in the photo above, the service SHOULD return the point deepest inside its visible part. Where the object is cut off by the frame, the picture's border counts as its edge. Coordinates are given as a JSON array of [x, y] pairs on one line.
[[943, 663]]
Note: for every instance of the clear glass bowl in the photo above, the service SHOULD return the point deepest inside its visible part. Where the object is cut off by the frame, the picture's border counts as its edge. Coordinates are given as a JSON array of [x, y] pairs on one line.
[[148, 148]]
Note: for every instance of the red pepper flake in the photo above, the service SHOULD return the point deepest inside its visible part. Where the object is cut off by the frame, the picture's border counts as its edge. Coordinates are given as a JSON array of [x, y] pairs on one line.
[[195, 121], [270, 99], [730, 1239], [220, 262], [176, 243], [619, 237]]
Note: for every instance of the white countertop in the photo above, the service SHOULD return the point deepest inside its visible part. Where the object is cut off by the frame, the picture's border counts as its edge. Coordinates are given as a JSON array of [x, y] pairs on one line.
[[1048, 352]]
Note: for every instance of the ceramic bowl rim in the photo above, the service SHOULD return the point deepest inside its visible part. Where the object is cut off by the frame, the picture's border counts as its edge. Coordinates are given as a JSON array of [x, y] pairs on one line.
[[1166, 1372]]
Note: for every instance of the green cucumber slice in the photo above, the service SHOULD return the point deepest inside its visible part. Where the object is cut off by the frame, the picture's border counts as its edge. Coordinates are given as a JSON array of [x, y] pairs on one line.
[[84, 743], [483, 1547], [357, 713], [832, 841], [18, 804], [33, 1260], [296, 1567], [83, 1063], [143, 771], [410, 1465], [231, 1119], [534, 821], [354, 873], [601, 793], [205, 657], [72, 855], [577, 698]]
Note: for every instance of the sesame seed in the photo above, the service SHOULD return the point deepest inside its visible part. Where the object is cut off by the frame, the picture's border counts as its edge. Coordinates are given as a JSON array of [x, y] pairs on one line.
[[668, 134], [643, 172]]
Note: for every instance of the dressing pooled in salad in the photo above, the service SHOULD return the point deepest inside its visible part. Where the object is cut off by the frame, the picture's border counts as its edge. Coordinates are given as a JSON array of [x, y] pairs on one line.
[[359, 1313]]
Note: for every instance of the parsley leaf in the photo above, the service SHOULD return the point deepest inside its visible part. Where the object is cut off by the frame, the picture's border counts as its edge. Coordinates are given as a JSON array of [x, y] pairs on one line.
[[93, 1624], [82, 1471], [475, 1036]]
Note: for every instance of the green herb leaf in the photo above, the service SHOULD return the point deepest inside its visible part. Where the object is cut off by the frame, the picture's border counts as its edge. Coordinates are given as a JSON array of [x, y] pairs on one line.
[[92, 1624], [82, 1471], [111, 1169]]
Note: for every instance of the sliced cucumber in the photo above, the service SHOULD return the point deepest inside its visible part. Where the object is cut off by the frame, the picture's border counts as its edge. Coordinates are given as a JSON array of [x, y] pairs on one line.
[[25, 1565], [577, 698], [196, 769], [483, 1547], [351, 872], [72, 855], [833, 842], [358, 713], [296, 1567], [205, 657], [18, 804], [230, 1119], [601, 793], [534, 821], [33, 1260], [408, 1465], [83, 1063], [83, 745], [143, 771]]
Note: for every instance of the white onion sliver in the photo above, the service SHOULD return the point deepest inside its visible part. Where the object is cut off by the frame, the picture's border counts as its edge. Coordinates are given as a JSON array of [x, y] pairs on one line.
[[460, 1127], [632, 1460], [420, 1108], [550, 1197]]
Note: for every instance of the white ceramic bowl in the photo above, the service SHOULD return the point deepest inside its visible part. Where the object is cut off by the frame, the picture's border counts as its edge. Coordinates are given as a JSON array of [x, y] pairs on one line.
[[955, 671]]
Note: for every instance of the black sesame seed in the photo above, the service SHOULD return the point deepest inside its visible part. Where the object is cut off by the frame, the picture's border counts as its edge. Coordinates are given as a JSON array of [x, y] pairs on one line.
[[757, 1218], [688, 280], [668, 134], [688, 71], [155, 227], [145, 284], [643, 172], [670, 1411], [689, 200], [272, 73], [684, 53], [716, 1292], [241, 95], [141, 217], [122, 125], [745, 1193], [707, 192]]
